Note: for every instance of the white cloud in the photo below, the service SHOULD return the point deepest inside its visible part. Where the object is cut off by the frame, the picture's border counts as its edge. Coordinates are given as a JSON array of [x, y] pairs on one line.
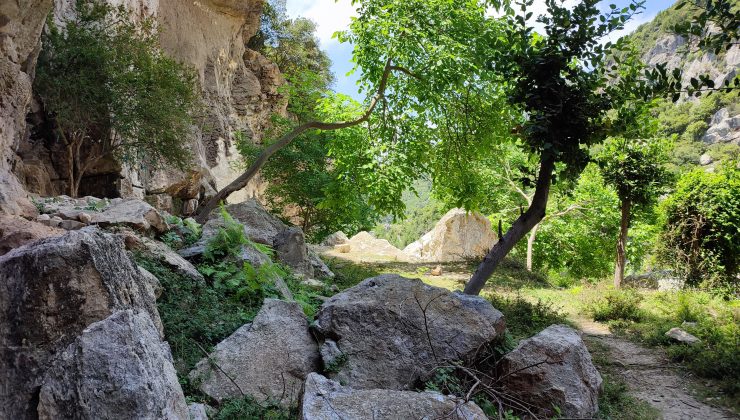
[[330, 16]]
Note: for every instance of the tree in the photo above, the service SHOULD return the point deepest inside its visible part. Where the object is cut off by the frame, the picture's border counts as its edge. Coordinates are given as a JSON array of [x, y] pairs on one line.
[[635, 167], [109, 90], [463, 81], [555, 85], [701, 230]]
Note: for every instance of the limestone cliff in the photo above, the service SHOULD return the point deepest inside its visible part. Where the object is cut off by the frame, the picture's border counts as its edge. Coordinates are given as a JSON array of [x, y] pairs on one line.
[[659, 44], [20, 26], [239, 90]]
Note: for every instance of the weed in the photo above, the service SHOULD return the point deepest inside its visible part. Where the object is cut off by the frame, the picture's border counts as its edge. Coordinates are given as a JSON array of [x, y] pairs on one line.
[[40, 206], [336, 364], [617, 305]]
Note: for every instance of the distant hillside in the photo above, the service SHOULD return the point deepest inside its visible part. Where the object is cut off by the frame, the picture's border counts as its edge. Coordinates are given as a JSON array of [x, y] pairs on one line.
[[708, 128]]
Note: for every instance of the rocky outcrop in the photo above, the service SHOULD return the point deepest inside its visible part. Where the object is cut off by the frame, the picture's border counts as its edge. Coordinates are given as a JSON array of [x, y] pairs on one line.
[[458, 236], [133, 213], [394, 331], [723, 128], [240, 91], [21, 22], [553, 369], [164, 254], [335, 238], [324, 399], [267, 359], [118, 368], [50, 291]]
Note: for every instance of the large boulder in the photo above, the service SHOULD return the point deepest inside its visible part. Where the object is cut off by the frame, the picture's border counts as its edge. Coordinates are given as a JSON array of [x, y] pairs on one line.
[[553, 369], [267, 359], [50, 291], [324, 399], [458, 236], [164, 254], [394, 331], [118, 368]]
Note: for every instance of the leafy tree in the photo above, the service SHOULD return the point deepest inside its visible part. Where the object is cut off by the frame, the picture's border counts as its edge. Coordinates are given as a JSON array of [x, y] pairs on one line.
[[701, 230], [634, 165], [110, 90]]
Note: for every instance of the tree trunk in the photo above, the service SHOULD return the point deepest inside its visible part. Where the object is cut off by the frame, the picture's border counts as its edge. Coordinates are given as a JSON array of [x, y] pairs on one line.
[[622, 244], [525, 223], [530, 246], [71, 170]]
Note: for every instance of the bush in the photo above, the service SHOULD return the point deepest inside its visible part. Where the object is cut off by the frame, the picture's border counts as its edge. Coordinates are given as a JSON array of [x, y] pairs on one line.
[[701, 228], [248, 408], [617, 305], [524, 318]]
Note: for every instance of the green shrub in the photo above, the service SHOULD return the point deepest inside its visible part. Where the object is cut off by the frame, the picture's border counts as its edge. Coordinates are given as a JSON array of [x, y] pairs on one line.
[[701, 228], [524, 318], [617, 305]]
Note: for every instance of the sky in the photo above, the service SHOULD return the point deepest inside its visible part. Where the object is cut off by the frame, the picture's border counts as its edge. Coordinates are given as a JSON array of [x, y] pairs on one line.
[[331, 16]]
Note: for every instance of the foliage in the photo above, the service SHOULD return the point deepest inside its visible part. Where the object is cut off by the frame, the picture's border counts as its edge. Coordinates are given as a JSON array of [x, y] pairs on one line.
[[110, 90], [249, 408], [617, 305], [195, 316], [580, 244], [634, 167], [422, 213], [701, 228], [524, 318], [185, 233]]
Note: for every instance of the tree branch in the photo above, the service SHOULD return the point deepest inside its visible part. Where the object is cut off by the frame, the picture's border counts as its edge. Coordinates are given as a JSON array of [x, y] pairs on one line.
[[286, 139]]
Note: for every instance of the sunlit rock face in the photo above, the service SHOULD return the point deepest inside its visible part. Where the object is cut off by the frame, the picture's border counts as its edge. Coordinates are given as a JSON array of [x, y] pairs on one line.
[[239, 92]]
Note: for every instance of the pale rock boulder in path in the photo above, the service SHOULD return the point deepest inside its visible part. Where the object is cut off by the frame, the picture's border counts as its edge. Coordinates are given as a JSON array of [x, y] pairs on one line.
[[553, 369], [118, 368], [682, 336], [457, 236], [50, 291], [335, 238], [394, 331], [325, 399], [267, 359]]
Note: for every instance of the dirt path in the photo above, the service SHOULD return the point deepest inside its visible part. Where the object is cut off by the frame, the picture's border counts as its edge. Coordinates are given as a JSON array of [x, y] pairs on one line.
[[651, 377]]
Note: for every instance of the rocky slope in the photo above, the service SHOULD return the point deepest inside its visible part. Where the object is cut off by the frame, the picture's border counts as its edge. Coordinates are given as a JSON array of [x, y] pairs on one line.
[[658, 44], [239, 90]]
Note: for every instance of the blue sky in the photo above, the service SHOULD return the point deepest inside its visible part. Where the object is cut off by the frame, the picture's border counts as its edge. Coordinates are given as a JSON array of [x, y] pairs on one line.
[[331, 16]]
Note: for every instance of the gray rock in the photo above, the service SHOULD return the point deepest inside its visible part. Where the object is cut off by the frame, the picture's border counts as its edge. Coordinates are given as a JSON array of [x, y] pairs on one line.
[[335, 238], [118, 368], [320, 269], [682, 336], [381, 325], [198, 411], [267, 359], [290, 246], [331, 356], [170, 258], [553, 369], [259, 225], [71, 225], [705, 160], [190, 206], [155, 286], [324, 399], [84, 218], [50, 291]]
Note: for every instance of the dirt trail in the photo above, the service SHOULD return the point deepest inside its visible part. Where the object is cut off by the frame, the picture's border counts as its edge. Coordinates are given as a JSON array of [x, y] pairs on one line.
[[651, 377]]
